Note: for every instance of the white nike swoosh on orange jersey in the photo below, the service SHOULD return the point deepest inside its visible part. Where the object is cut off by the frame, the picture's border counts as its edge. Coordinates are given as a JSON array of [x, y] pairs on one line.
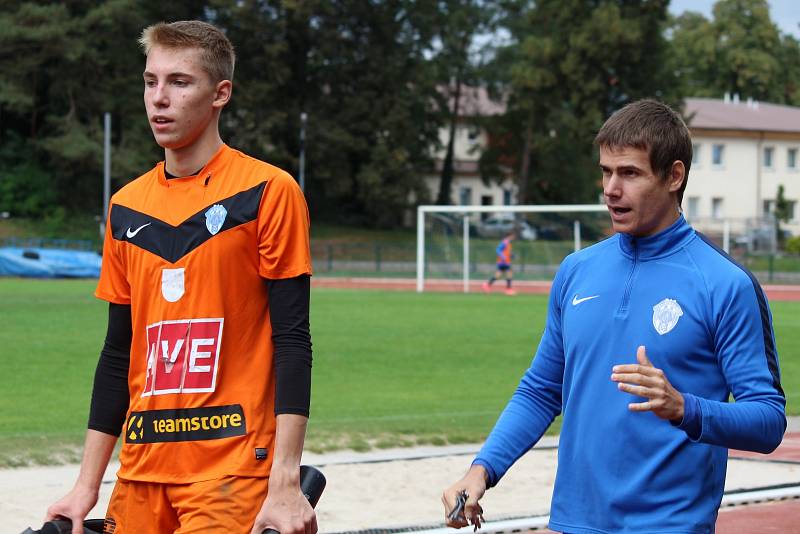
[[131, 235], [576, 300]]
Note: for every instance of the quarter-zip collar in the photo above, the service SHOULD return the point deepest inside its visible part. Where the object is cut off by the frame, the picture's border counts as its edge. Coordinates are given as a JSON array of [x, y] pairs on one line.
[[667, 241]]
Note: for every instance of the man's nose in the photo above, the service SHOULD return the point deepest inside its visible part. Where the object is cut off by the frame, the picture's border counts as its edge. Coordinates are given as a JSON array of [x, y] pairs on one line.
[[611, 185], [159, 96]]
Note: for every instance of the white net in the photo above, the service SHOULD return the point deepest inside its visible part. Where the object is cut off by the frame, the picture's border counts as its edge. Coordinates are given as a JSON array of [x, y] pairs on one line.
[[459, 242]]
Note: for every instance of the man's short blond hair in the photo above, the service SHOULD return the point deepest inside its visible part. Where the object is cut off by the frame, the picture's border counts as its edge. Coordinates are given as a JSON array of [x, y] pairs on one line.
[[218, 57]]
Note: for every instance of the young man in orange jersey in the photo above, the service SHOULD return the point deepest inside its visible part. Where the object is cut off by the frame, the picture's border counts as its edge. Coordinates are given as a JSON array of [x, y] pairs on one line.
[[206, 368]]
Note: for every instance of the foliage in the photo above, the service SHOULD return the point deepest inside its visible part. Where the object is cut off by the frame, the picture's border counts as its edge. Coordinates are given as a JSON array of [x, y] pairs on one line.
[[458, 64], [740, 51], [782, 214], [55, 84], [569, 64], [793, 245], [357, 69], [25, 188], [369, 75]]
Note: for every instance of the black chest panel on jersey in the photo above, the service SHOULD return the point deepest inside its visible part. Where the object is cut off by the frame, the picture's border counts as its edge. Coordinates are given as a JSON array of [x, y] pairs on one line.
[[174, 242]]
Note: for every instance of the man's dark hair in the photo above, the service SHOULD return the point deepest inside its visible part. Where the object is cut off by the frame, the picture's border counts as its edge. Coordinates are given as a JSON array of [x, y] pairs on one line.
[[652, 126]]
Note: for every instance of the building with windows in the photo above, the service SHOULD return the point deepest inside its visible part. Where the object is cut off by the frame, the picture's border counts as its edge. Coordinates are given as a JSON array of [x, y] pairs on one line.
[[743, 151], [468, 188]]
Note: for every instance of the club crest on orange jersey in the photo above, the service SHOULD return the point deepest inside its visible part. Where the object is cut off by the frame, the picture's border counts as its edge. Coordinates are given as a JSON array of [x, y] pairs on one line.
[[665, 315], [215, 218], [173, 284]]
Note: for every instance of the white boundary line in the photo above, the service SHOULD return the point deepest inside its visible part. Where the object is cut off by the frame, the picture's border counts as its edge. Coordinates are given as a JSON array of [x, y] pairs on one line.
[[510, 525], [777, 494]]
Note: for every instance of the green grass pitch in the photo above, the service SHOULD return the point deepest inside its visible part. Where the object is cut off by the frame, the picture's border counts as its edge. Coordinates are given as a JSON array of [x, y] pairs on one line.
[[390, 368]]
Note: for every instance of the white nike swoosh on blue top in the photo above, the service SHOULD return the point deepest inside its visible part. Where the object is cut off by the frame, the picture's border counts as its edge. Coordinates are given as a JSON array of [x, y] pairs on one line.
[[576, 300], [131, 235]]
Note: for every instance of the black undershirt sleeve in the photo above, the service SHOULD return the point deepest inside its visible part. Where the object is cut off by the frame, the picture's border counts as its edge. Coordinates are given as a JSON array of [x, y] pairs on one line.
[[291, 337], [110, 395]]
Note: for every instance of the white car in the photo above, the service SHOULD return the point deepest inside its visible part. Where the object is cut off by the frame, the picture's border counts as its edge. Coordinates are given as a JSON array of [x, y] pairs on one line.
[[501, 226]]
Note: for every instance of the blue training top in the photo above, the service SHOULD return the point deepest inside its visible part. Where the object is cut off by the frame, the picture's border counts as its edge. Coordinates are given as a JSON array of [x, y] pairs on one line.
[[503, 251], [705, 322]]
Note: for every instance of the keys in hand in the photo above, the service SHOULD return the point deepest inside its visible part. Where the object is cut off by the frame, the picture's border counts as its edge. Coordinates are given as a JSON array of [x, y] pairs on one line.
[[458, 511]]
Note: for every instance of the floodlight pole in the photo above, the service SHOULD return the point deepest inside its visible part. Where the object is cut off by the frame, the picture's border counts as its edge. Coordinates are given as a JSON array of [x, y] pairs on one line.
[[106, 169], [302, 165]]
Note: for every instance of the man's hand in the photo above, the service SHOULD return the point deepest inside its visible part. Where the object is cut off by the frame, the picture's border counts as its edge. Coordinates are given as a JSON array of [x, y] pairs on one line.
[[474, 484], [74, 506], [97, 449], [645, 380], [285, 509]]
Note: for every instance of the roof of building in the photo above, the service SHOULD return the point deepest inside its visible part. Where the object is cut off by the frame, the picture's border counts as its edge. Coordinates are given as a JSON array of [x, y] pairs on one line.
[[474, 101], [735, 114]]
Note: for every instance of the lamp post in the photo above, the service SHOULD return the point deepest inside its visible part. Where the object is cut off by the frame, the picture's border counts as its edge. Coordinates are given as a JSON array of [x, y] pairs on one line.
[[302, 169], [106, 169]]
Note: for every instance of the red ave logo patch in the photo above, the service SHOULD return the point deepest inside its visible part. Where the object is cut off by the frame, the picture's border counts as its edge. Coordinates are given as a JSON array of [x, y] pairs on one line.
[[182, 356]]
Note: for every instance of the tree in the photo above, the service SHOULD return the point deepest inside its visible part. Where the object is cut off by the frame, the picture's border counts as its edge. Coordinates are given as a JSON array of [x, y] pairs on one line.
[[569, 65], [359, 71], [740, 51], [373, 120], [782, 214], [458, 22], [62, 65]]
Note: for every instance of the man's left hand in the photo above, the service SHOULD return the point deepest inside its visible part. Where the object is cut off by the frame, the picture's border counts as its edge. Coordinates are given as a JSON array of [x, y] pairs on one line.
[[286, 510], [645, 380]]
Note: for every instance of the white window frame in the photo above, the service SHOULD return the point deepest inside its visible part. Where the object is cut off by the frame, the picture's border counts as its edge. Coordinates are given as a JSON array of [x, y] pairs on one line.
[[768, 150], [789, 152], [461, 191], [721, 148], [718, 208]]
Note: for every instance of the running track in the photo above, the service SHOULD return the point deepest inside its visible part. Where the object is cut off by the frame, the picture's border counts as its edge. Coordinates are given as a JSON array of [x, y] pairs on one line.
[[765, 517], [774, 292]]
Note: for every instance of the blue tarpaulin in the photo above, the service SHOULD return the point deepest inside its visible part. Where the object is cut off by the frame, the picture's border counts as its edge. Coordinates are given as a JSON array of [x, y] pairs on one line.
[[48, 263]]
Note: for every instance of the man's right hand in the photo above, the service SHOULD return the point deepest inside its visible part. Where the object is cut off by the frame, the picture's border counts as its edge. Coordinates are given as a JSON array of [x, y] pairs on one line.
[[474, 484], [74, 506]]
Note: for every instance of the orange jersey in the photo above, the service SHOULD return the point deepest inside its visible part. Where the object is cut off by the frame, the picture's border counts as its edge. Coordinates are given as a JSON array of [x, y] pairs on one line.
[[190, 255]]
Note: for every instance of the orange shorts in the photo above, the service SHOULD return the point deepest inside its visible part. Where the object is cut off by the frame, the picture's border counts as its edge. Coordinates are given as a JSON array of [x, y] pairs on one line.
[[226, 505]]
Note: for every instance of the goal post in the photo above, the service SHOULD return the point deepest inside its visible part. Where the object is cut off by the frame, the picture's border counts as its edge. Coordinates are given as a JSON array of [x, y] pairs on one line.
[[467, 211]]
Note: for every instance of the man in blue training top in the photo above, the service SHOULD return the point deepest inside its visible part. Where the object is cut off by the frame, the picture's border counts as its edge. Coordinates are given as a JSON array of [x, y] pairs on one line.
[[648, 333], [503, 252]]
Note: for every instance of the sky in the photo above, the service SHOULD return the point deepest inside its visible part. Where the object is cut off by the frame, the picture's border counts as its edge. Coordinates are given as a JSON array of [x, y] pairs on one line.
[[784, 13]]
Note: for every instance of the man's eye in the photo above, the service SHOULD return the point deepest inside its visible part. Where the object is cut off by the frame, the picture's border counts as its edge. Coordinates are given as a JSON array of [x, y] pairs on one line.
[[180, 83], [149, 83]]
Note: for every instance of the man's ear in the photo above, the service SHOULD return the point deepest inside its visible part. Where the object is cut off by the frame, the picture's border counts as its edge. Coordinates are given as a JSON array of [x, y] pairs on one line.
[[677, 175], [223, 93]]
